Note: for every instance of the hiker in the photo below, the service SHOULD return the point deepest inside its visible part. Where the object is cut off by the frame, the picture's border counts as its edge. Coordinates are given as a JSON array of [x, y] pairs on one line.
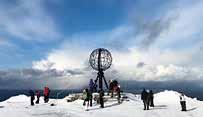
[[32, 97], [110, 88], [38, 96], [145, 99], [46, 94], [118, 90], [183, 102], [91, 90], [101, 100], [86, 97], [151, 98]]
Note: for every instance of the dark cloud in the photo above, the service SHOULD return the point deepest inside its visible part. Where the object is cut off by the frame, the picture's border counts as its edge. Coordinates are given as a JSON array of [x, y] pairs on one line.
[[32, 78], [140, 64], [151, 29]]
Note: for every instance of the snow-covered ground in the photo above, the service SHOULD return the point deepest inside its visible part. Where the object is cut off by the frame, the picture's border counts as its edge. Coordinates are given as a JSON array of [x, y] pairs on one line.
[[166, 105]]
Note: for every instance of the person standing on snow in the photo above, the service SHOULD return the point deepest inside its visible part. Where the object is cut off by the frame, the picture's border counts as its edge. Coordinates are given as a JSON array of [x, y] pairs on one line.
[[101, 98], [38, 96], [110, 88], [91, 90], [151, 98], [183, 102], [32, 97], [144, 97], [86, 97], [46, 94], [118, 90]]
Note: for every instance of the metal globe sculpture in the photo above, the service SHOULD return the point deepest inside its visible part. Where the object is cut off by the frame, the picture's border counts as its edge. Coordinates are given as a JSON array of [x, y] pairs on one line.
[[100, 59]]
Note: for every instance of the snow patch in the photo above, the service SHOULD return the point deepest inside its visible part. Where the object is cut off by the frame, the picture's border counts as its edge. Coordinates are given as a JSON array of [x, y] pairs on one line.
[[18, 98]]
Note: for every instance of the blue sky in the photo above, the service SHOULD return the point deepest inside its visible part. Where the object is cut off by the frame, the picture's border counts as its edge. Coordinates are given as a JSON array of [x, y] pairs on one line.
[[164, 37], [59, 19]]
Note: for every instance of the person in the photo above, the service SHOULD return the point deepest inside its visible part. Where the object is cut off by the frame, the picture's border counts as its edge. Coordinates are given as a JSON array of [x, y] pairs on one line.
[[101, 100], [46, 94], [32, 97], [38, 96], [118, 90], [91, 90], [183, 102], [151, 98], [110, 88], [95, 85], [86, 97], [145, 99]]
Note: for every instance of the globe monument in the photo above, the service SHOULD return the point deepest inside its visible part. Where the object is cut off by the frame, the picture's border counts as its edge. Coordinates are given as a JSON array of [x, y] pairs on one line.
[[100, 60]]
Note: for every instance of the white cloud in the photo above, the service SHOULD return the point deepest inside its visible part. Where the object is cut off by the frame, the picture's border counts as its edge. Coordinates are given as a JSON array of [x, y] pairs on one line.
[[187, 26], [162, 59], [27, 20], [67, 57]]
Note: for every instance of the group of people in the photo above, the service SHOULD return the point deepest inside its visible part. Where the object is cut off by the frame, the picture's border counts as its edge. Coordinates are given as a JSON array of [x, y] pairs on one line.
[[46, 93], [87, 93], [88, 97], [114, 87], [147, 98]]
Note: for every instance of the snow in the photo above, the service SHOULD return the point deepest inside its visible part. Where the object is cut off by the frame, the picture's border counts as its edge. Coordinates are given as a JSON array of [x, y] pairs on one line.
[[166, 105]]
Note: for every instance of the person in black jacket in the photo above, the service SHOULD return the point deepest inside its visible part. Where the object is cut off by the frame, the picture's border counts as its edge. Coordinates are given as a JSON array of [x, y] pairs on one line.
[[101, 100], [151, 98], [38, 97], [32, 97], [145, 98], [183, 102]]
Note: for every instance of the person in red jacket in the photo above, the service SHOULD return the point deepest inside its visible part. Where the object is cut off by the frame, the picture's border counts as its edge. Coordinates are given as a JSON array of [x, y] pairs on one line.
[[38, 96], [46, 94]]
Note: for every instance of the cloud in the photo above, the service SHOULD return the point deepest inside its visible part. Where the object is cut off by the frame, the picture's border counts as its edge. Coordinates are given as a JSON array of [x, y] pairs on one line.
[[158, 36], [27, 20], [184, 28], [64, 58], [37, 79], [172, 52], [4, 42], [151, 29]]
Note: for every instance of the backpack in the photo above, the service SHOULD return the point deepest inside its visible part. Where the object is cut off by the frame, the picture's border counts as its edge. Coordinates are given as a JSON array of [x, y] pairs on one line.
[[84, 95]]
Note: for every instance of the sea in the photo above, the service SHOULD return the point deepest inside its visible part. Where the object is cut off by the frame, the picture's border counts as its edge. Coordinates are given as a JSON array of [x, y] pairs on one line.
[[58, 94]]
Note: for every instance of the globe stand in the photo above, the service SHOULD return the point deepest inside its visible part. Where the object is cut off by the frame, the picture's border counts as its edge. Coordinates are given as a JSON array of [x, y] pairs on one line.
[[100, 76], [100, 60]]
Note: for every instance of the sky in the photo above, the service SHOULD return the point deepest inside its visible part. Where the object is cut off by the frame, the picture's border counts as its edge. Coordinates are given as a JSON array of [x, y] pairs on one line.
[[48, 42]]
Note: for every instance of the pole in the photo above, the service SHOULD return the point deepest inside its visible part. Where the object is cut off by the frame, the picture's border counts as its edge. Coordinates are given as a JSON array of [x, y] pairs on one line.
[[100, 75]]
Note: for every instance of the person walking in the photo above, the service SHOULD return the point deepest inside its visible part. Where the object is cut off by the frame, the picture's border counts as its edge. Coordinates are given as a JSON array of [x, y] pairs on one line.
[[151, 98], [32, 97], [38, 97], [145, 99], [183, 102], [46, 94], [86, 97]]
